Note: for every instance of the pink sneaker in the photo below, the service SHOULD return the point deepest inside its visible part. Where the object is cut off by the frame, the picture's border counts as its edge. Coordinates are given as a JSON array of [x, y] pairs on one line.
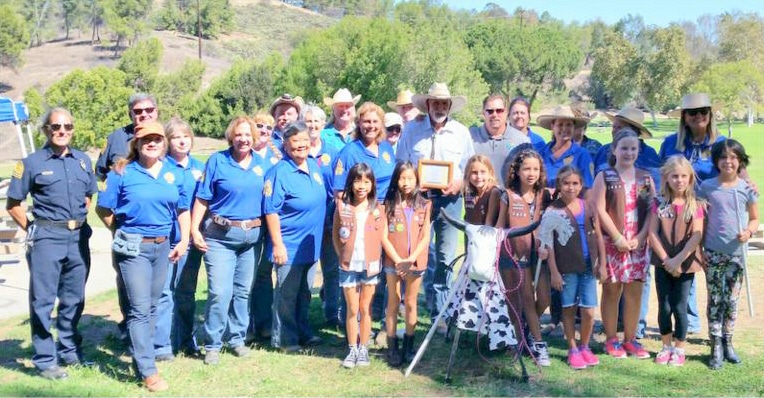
[[635, 349], [614, 349], [677, 359], [575, 359], [588, 355], [664, 356]]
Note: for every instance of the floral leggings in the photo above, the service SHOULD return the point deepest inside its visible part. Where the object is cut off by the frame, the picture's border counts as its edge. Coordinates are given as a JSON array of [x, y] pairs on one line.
[[724, 279]]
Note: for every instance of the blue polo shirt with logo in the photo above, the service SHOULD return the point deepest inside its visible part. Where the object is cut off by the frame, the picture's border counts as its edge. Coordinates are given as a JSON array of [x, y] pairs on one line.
[[356, 152]]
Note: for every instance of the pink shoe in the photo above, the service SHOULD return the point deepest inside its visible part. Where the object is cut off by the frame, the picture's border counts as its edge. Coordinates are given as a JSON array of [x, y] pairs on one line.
[[588, 355], [635, 349], [575, 359], [677, 359], [614, 349], [664, 356]]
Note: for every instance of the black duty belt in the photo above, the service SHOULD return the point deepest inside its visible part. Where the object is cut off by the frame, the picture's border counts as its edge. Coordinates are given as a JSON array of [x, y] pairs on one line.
[[67, 224]]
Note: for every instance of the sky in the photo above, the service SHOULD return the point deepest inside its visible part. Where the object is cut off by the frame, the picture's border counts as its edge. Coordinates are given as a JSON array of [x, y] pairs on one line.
[[655, 12]]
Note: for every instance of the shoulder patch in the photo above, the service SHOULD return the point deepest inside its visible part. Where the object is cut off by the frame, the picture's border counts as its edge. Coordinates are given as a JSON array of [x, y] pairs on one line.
[[386, 157], [18, 171], [268, 188], [339, 169]]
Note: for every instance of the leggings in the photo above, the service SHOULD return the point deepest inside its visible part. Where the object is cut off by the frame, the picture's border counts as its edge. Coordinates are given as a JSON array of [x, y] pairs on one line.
[[672, 299]]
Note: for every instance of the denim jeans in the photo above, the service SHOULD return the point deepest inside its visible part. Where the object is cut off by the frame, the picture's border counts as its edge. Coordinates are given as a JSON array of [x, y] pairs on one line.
[[446, 238], [330, 269], [693, 318], [144, 278], [231, 261], [291, 302]]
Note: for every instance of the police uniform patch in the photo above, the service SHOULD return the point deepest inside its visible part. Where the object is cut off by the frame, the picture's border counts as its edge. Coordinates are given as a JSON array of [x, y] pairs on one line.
[[169, 177], [18, 171], [386, 157], [83, 165], [344, 232], [568, 160], [268, 188], [317, 177], [339, 169], [258, 170], [197, 174], [326, 159]]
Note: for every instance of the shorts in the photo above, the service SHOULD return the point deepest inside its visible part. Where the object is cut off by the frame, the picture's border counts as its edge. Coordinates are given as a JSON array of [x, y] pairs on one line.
[[580, 288], [391, 271], [355, 278]]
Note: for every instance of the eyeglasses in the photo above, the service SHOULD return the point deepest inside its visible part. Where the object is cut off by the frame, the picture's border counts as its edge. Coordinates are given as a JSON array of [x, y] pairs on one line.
[[57, 126], [266, 126], [396, 129], [694, 112], [138, 111], [498, 111]]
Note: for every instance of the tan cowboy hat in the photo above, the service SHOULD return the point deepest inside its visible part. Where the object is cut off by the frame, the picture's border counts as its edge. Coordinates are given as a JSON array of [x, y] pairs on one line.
[[693, 101], [342, 96], [404, 98], [545, 120], [439, 91], [297, 102], [633, 117]]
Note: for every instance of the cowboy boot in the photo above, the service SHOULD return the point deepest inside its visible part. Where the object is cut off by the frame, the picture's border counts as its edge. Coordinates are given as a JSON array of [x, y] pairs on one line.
[[715, 362], [394, 358], [729, 351], [408, 347]]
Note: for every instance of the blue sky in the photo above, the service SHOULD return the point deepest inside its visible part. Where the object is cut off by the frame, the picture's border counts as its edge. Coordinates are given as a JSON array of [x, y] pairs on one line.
[[654, 12]]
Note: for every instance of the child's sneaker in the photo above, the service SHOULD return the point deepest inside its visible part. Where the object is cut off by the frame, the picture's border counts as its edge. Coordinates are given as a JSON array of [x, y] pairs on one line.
[[635, 349], [540, 352], [664, 355], [363, 357], [677, 358], [588, 355], [575, 359], [351, 359], [614, 349]]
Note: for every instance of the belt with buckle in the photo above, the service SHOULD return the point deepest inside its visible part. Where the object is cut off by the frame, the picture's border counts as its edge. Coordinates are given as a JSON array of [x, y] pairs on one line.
[[243, 224], [68, 224], [157, 240]]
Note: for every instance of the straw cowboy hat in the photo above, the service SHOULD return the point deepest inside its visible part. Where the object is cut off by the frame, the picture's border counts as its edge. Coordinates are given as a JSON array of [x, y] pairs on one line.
[[633, 117], [694, 101], [296, 102], [342, 96], [439, 91], [561, 112], [404, 98]]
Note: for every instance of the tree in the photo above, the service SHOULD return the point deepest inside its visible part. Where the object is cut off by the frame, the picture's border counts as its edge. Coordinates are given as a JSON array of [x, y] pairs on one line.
[[741, 36], [13, 37], [615, 69], [39, 16], [736, 86], [74, 13], [126, 18], [35, 103], [141, 64], [172, 89], [664, 69]]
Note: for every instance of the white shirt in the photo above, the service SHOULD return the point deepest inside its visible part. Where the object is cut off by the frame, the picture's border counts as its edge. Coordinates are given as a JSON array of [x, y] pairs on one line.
[[358, 259], [452, 144]]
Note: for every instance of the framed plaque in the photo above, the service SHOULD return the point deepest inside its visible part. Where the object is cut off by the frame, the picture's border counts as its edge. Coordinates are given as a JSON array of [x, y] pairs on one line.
[[435, 174]]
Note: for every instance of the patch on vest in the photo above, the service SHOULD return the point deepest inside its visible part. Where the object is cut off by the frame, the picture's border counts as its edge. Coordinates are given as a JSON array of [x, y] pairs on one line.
[[344, 232]]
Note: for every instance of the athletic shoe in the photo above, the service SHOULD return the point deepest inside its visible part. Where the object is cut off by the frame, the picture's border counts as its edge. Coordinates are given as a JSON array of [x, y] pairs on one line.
[[677, 358], [350, 360], [211, 357], [614, 349], [635, 349], [588, 355], [240, 351], [540, 352], [664, 356], [363, 357], [575, 359]]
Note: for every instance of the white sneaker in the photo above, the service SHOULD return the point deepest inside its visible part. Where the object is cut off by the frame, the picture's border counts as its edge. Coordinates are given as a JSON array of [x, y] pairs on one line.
[[540, 352], [350, 360], [363, 357]]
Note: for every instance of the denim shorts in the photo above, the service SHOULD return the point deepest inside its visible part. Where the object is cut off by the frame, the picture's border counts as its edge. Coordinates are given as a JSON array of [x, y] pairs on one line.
[[580, 288], [391, 271], [354, 278]]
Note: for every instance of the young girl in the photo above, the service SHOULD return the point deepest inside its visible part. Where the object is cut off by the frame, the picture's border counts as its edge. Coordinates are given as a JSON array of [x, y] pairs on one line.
[[729, 199], [571, 262], [623, 194], [357, 236], [676, 228], [481, 196], [405, 239], [523, 204]]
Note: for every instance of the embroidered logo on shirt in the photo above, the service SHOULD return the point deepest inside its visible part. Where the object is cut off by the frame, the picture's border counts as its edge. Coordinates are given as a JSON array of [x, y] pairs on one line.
[[325, 159], [274, 160], [339, 169], [169, 177], [317, 177], [258, 170], [197, 174], [568, 160], [268, 188], [386, 157], [18, 171]]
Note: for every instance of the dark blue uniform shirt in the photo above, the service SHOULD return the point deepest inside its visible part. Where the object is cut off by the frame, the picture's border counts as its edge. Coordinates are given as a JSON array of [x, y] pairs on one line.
[[117, 146]]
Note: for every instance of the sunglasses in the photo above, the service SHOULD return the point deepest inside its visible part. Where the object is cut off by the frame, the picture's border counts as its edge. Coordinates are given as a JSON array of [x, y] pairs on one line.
[[396, 129], [498, 111], [266, 126], [138, 111], [694, 112], [57, 126]]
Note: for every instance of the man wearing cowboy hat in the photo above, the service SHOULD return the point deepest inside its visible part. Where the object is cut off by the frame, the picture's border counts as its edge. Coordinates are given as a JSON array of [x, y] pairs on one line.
[[404, 106], [337, 132], [437, 136], [285, 109], [496, 139]]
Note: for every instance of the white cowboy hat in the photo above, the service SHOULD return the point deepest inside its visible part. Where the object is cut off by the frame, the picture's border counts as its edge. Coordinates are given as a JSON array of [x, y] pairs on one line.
[[693, 101], [633, 117], [296, 102], [439, 91], [342, 96], [545, 120], [392, 118], [404, 98]]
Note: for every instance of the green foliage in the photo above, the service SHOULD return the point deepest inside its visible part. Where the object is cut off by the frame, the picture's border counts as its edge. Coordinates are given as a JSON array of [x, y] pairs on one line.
[[614, 68], [96, 98], [171, 89], [13, 37], [741, 37], [141, 64], [737, 86], [217, 17], [35, 103], [126, 18], [74, 13], [665, 68]]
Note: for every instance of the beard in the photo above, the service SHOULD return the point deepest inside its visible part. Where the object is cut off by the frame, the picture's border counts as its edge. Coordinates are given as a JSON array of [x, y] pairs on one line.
[[439, 117]]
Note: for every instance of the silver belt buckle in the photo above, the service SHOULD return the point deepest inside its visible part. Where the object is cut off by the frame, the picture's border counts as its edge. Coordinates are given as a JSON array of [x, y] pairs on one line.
[[245, 225], [71, 225]]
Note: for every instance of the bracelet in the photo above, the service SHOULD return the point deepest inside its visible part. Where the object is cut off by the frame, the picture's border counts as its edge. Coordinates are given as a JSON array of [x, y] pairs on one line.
[[620, 238]]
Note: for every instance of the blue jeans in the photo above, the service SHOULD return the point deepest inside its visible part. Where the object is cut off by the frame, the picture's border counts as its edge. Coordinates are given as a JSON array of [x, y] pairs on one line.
[[446, 238], [144, 278], [230, 261], [261, 298], [291, 302], [331, 287], [693, 319]]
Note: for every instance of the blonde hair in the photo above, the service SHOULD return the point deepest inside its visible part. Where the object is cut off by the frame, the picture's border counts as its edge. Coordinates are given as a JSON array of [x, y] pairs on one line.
[[266, 118], [370, 107], [229, 131], [175, 125], [711, 131], [691, 203], [482, 159]]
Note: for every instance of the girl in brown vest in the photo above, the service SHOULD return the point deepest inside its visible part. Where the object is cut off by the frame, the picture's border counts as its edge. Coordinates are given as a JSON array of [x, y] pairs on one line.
[[523, 202], [357, 236], [622, 194], [481, 196], [406, 239], [676, 229]]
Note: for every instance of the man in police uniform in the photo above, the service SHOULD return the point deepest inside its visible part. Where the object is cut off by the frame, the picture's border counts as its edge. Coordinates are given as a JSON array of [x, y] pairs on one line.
[[61, 182]]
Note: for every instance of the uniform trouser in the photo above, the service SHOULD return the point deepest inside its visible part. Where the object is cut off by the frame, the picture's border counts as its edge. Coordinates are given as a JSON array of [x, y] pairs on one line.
[[59, 261], [446, 238], [261, 299], [121, 297], [330, 270], [291, 303], [724, 280], [144, 277]]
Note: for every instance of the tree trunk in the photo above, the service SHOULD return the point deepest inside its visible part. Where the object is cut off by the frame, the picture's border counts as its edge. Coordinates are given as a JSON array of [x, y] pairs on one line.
[[655, 121], [749, 117], [729, 126]]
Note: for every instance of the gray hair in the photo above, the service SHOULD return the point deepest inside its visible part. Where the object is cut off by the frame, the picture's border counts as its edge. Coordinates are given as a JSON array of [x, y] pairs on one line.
[[294, 129], [314, 110], [138, 97], [46, 116]]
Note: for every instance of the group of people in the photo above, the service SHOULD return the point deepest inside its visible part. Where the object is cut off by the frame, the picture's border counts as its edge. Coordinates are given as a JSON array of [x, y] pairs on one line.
[[293, 188]]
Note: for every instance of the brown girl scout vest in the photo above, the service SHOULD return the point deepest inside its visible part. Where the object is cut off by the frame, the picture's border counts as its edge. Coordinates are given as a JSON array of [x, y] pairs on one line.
[[570, 258], [615, 197], [397, 234], [375, 221], [519, 215], [476, 207], [674, 233]]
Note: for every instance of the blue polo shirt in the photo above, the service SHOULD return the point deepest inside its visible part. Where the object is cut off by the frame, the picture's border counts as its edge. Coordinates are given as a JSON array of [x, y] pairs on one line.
[[333, 137], [231, 191], [356, 152], [575, 155], [194, 170], [299, 199], [647, 159], [117, 146], [699, 155], [536, 140], [143, 204], [325, 158], [59, 185]]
